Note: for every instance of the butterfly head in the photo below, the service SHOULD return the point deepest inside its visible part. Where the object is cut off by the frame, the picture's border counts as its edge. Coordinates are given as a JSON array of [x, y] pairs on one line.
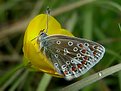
[[42, 35]]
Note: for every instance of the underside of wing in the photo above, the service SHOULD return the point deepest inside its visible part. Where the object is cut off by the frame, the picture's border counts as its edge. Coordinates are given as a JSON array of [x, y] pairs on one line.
[[72, 56]]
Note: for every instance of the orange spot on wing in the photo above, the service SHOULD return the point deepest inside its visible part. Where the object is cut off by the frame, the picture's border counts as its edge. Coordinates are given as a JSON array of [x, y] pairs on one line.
[[81, 45], [83, 51]]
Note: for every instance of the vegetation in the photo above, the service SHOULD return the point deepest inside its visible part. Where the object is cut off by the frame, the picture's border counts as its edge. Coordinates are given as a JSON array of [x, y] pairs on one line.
[[97, 20]]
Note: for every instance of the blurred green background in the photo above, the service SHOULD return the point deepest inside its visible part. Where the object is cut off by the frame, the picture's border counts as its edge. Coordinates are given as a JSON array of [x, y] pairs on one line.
[[97, 20]]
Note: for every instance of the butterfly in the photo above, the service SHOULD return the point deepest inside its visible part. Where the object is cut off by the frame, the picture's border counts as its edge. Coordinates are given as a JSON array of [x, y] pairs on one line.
[[70, 56]]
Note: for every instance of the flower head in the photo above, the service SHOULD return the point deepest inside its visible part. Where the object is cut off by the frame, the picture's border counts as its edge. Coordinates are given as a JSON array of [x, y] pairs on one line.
[[31, 49]]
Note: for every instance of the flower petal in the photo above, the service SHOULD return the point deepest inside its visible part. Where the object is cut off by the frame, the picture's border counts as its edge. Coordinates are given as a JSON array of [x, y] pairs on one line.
[[31, 48]]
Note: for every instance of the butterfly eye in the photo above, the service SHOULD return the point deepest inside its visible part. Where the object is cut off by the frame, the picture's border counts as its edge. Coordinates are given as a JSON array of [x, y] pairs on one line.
[[75, 49], [65, 50], [86, 44], [63, 66], [70, 43], [58, 42], [56, 55], [57, 50], [67, 62], [72, 61], [78, 55], [56, 64]]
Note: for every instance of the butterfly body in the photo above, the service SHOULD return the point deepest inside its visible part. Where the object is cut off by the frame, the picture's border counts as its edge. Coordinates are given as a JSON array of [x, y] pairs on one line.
[[70, 56]]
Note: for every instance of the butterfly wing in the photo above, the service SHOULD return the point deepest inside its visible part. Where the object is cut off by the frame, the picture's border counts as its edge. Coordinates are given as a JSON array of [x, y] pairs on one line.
[[72, 56]]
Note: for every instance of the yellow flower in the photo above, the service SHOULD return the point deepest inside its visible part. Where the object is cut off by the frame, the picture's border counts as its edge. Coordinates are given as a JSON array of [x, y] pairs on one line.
[[31, 49]]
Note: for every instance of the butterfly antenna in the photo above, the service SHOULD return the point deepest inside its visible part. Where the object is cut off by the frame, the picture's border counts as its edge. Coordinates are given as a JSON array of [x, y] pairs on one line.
[[34, 38], [38, 35], [48, 13]]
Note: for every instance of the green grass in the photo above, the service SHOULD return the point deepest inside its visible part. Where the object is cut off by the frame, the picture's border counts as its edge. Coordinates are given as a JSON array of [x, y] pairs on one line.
[[96, 20]]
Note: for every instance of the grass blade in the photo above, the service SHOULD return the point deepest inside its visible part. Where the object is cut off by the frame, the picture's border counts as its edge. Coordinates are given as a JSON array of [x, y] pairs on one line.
[[93, 78], [10, 73], [16, 84], [44, 82]]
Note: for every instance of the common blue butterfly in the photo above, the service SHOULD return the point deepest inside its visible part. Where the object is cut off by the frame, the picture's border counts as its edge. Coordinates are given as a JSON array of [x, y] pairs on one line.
[[70, 56]]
